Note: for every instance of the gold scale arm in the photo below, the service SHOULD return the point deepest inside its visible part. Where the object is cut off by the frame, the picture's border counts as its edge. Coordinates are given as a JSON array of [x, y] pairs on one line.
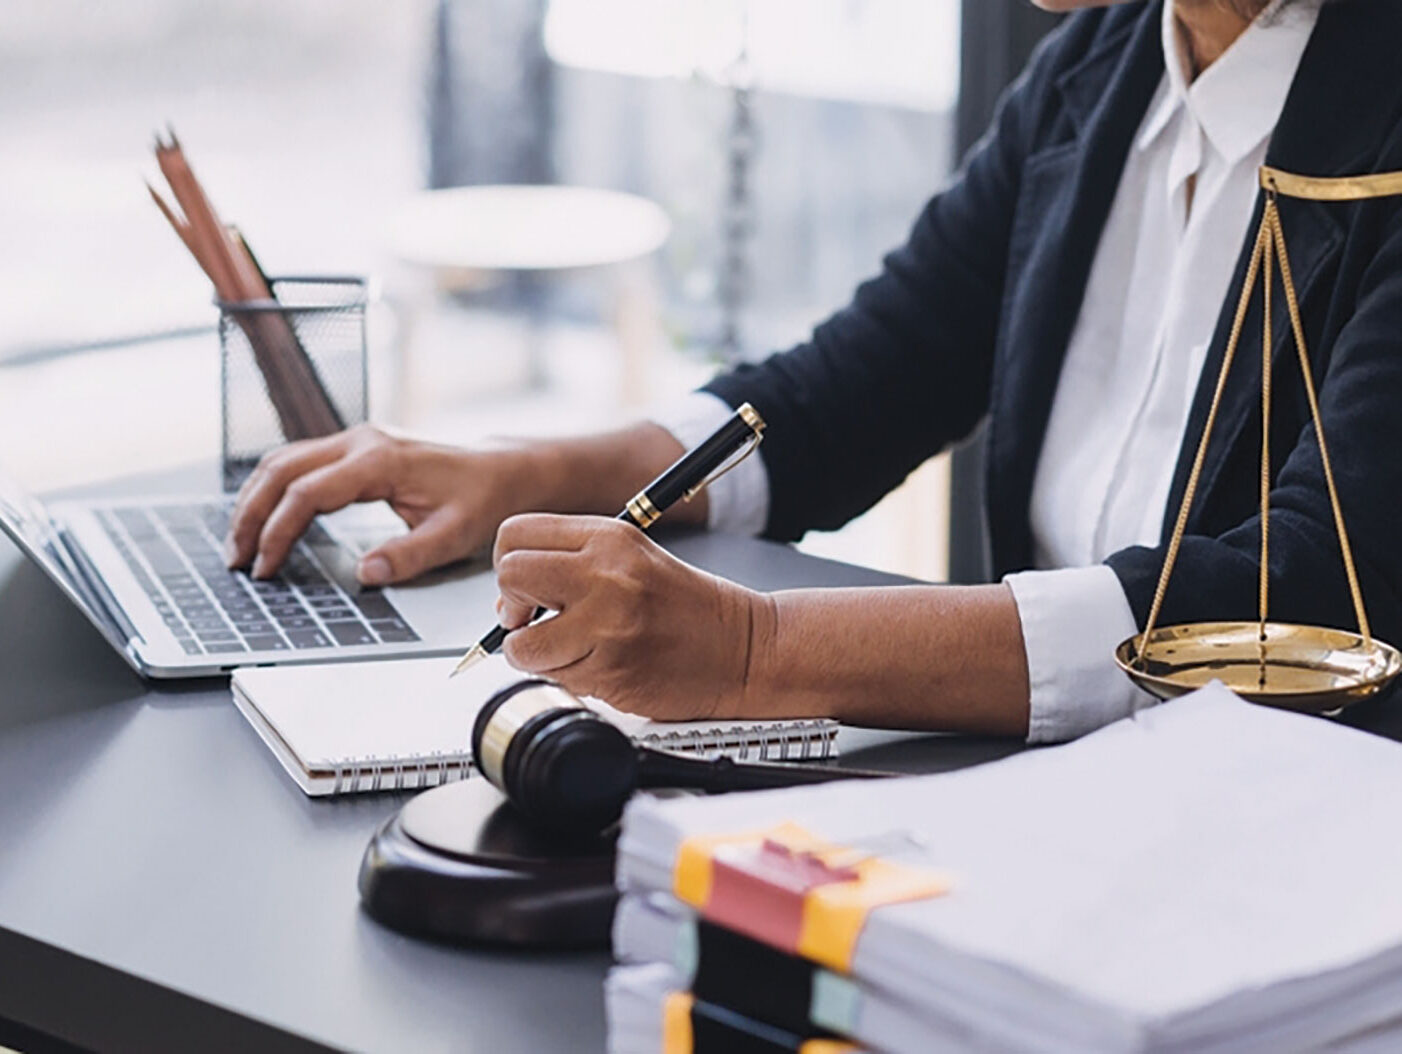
[[1269, 250]]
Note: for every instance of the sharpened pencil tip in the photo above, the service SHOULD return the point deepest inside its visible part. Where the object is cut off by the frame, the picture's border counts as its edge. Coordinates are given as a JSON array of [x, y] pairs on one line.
[[474, 655]]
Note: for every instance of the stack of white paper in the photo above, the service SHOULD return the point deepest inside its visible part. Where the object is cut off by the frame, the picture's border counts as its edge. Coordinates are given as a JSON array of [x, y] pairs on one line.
[[1207, 875]]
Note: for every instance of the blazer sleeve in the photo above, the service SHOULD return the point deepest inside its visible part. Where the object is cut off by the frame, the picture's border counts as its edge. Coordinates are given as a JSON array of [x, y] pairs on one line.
[[1360, 395], [905, 368]]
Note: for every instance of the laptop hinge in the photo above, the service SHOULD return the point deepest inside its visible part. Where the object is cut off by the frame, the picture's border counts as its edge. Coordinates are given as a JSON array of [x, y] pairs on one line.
[[99, 595]]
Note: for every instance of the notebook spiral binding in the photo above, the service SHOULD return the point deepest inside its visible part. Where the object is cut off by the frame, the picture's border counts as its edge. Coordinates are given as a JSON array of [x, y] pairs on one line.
[[792, 741], [796, 741], [368, 775]]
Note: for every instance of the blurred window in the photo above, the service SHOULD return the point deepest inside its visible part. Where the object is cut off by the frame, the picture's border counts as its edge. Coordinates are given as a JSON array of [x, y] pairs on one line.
[[888, 52], [303, 119]]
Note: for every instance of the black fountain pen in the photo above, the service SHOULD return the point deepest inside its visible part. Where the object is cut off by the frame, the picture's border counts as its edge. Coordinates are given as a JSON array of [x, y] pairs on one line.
[[725, 448]]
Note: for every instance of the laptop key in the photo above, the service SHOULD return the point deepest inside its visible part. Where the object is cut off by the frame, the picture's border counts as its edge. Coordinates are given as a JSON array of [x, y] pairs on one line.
[[265, 642], [350, 633], [398, 636], [190, 647], [374, 605], [254, 628], [298, 623], [308, 638], [221, 648], [337, 615]]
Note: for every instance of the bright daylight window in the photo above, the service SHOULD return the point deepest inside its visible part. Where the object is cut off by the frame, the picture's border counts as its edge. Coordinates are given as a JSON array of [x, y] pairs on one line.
[[886, 52]]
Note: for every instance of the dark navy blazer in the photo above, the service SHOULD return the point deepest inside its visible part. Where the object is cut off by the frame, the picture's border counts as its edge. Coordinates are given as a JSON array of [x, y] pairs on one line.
[[972, 316]]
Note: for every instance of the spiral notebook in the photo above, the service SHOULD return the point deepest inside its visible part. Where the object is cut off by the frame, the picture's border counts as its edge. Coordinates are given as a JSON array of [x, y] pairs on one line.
[[345, 728]]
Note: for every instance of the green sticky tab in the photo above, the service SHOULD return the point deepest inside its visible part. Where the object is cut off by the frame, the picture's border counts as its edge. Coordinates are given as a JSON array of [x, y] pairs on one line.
[[836, 1002], [686, 956]]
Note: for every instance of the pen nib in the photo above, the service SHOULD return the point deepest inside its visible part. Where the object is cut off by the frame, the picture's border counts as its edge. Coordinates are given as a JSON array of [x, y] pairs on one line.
[[474, 654]]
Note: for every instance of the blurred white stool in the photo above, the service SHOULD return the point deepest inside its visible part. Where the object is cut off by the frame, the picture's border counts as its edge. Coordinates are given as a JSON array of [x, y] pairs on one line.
[[467, 236]]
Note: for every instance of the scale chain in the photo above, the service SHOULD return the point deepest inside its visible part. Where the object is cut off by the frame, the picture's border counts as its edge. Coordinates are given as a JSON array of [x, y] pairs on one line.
[[1190, 489], [1268, 334], [1297, 324]]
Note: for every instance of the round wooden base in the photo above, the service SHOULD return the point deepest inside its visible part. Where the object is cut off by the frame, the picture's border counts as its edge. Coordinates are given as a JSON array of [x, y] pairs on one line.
[[457, 864]]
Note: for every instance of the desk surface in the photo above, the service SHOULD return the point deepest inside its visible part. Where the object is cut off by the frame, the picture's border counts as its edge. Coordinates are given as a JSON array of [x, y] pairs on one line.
[[165, 886]]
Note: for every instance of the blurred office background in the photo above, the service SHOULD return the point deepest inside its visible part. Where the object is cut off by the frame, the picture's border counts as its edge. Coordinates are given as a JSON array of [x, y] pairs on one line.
[[791, 143]]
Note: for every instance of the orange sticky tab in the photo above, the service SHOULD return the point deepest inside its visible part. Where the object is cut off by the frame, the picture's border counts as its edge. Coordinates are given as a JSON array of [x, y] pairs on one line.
[[828, 1046], [677, 1037], [834, 914]]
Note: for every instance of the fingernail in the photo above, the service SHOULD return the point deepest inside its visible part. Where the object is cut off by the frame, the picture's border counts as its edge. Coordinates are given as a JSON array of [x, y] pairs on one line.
[[374, 571], [260, 567], [231, 553], [501, 603]]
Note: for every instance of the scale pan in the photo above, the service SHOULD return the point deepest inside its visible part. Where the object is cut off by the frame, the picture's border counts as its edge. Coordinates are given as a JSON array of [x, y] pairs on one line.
[[1306, 668]]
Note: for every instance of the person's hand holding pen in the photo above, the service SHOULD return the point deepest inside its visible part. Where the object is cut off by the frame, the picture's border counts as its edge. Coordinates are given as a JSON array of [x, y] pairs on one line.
[[635, 625]]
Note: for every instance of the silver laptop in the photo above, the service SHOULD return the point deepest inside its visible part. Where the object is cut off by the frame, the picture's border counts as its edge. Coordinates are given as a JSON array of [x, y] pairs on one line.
[[150, 577]]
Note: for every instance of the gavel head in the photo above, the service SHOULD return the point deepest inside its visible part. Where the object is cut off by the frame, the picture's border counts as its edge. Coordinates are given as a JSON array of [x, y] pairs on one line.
[[559, 763]]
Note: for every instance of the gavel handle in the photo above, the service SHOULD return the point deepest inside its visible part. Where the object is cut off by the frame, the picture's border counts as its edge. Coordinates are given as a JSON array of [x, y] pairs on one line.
[[657, 768]]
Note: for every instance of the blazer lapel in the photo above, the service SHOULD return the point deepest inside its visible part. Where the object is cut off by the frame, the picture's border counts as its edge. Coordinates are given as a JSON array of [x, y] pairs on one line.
[[1063, 204], [1343, 97]]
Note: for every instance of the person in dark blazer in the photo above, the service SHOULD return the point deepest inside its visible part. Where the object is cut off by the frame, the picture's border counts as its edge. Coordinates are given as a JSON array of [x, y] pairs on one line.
[[1073, 286]]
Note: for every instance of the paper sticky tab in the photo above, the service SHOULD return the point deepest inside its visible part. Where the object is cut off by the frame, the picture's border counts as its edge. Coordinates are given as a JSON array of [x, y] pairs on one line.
[[677, 1037], [828, 1046], [793, 890]]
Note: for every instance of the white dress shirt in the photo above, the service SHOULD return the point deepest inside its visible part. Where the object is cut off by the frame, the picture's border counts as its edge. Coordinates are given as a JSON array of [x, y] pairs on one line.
[[1155, 290]]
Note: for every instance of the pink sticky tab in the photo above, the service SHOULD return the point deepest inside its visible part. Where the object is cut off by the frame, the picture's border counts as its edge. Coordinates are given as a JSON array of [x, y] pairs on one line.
[[758, 889]]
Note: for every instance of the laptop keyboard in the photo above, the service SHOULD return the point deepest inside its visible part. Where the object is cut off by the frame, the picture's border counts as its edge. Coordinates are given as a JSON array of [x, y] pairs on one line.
[[175, 553]]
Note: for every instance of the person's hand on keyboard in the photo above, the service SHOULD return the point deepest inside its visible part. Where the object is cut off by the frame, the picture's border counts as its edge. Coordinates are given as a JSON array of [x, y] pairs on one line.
[[452, 499]]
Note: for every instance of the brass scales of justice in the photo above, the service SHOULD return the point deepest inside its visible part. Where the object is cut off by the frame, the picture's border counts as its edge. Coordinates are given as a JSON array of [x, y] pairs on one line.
[[1307, 668]]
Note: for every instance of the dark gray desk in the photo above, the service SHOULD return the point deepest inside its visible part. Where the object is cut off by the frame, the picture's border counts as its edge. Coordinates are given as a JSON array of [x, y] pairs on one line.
[[164, 886]]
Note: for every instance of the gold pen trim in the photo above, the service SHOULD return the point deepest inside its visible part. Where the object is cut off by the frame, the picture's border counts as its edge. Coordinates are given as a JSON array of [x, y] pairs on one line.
[[472, 657], [643, 511], [751, 417]]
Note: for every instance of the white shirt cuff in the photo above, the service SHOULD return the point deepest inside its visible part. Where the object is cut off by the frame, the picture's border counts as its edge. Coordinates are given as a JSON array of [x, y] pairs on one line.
[[738, 502], [1072, 620]]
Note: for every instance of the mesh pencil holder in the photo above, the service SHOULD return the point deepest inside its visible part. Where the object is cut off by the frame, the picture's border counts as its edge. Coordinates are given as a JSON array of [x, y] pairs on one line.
[[293, 367]]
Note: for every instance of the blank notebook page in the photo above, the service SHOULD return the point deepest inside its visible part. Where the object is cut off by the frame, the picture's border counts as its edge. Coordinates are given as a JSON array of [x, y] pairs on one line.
[[401, 709]]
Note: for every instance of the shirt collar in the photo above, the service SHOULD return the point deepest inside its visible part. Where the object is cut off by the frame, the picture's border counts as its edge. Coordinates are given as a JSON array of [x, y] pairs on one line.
[[1238, 99]]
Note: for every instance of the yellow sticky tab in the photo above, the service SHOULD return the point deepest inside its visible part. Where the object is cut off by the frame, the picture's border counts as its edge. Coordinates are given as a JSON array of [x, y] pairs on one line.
[[827, 1046], [692, 875], [676, 1024], [834, 914]]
